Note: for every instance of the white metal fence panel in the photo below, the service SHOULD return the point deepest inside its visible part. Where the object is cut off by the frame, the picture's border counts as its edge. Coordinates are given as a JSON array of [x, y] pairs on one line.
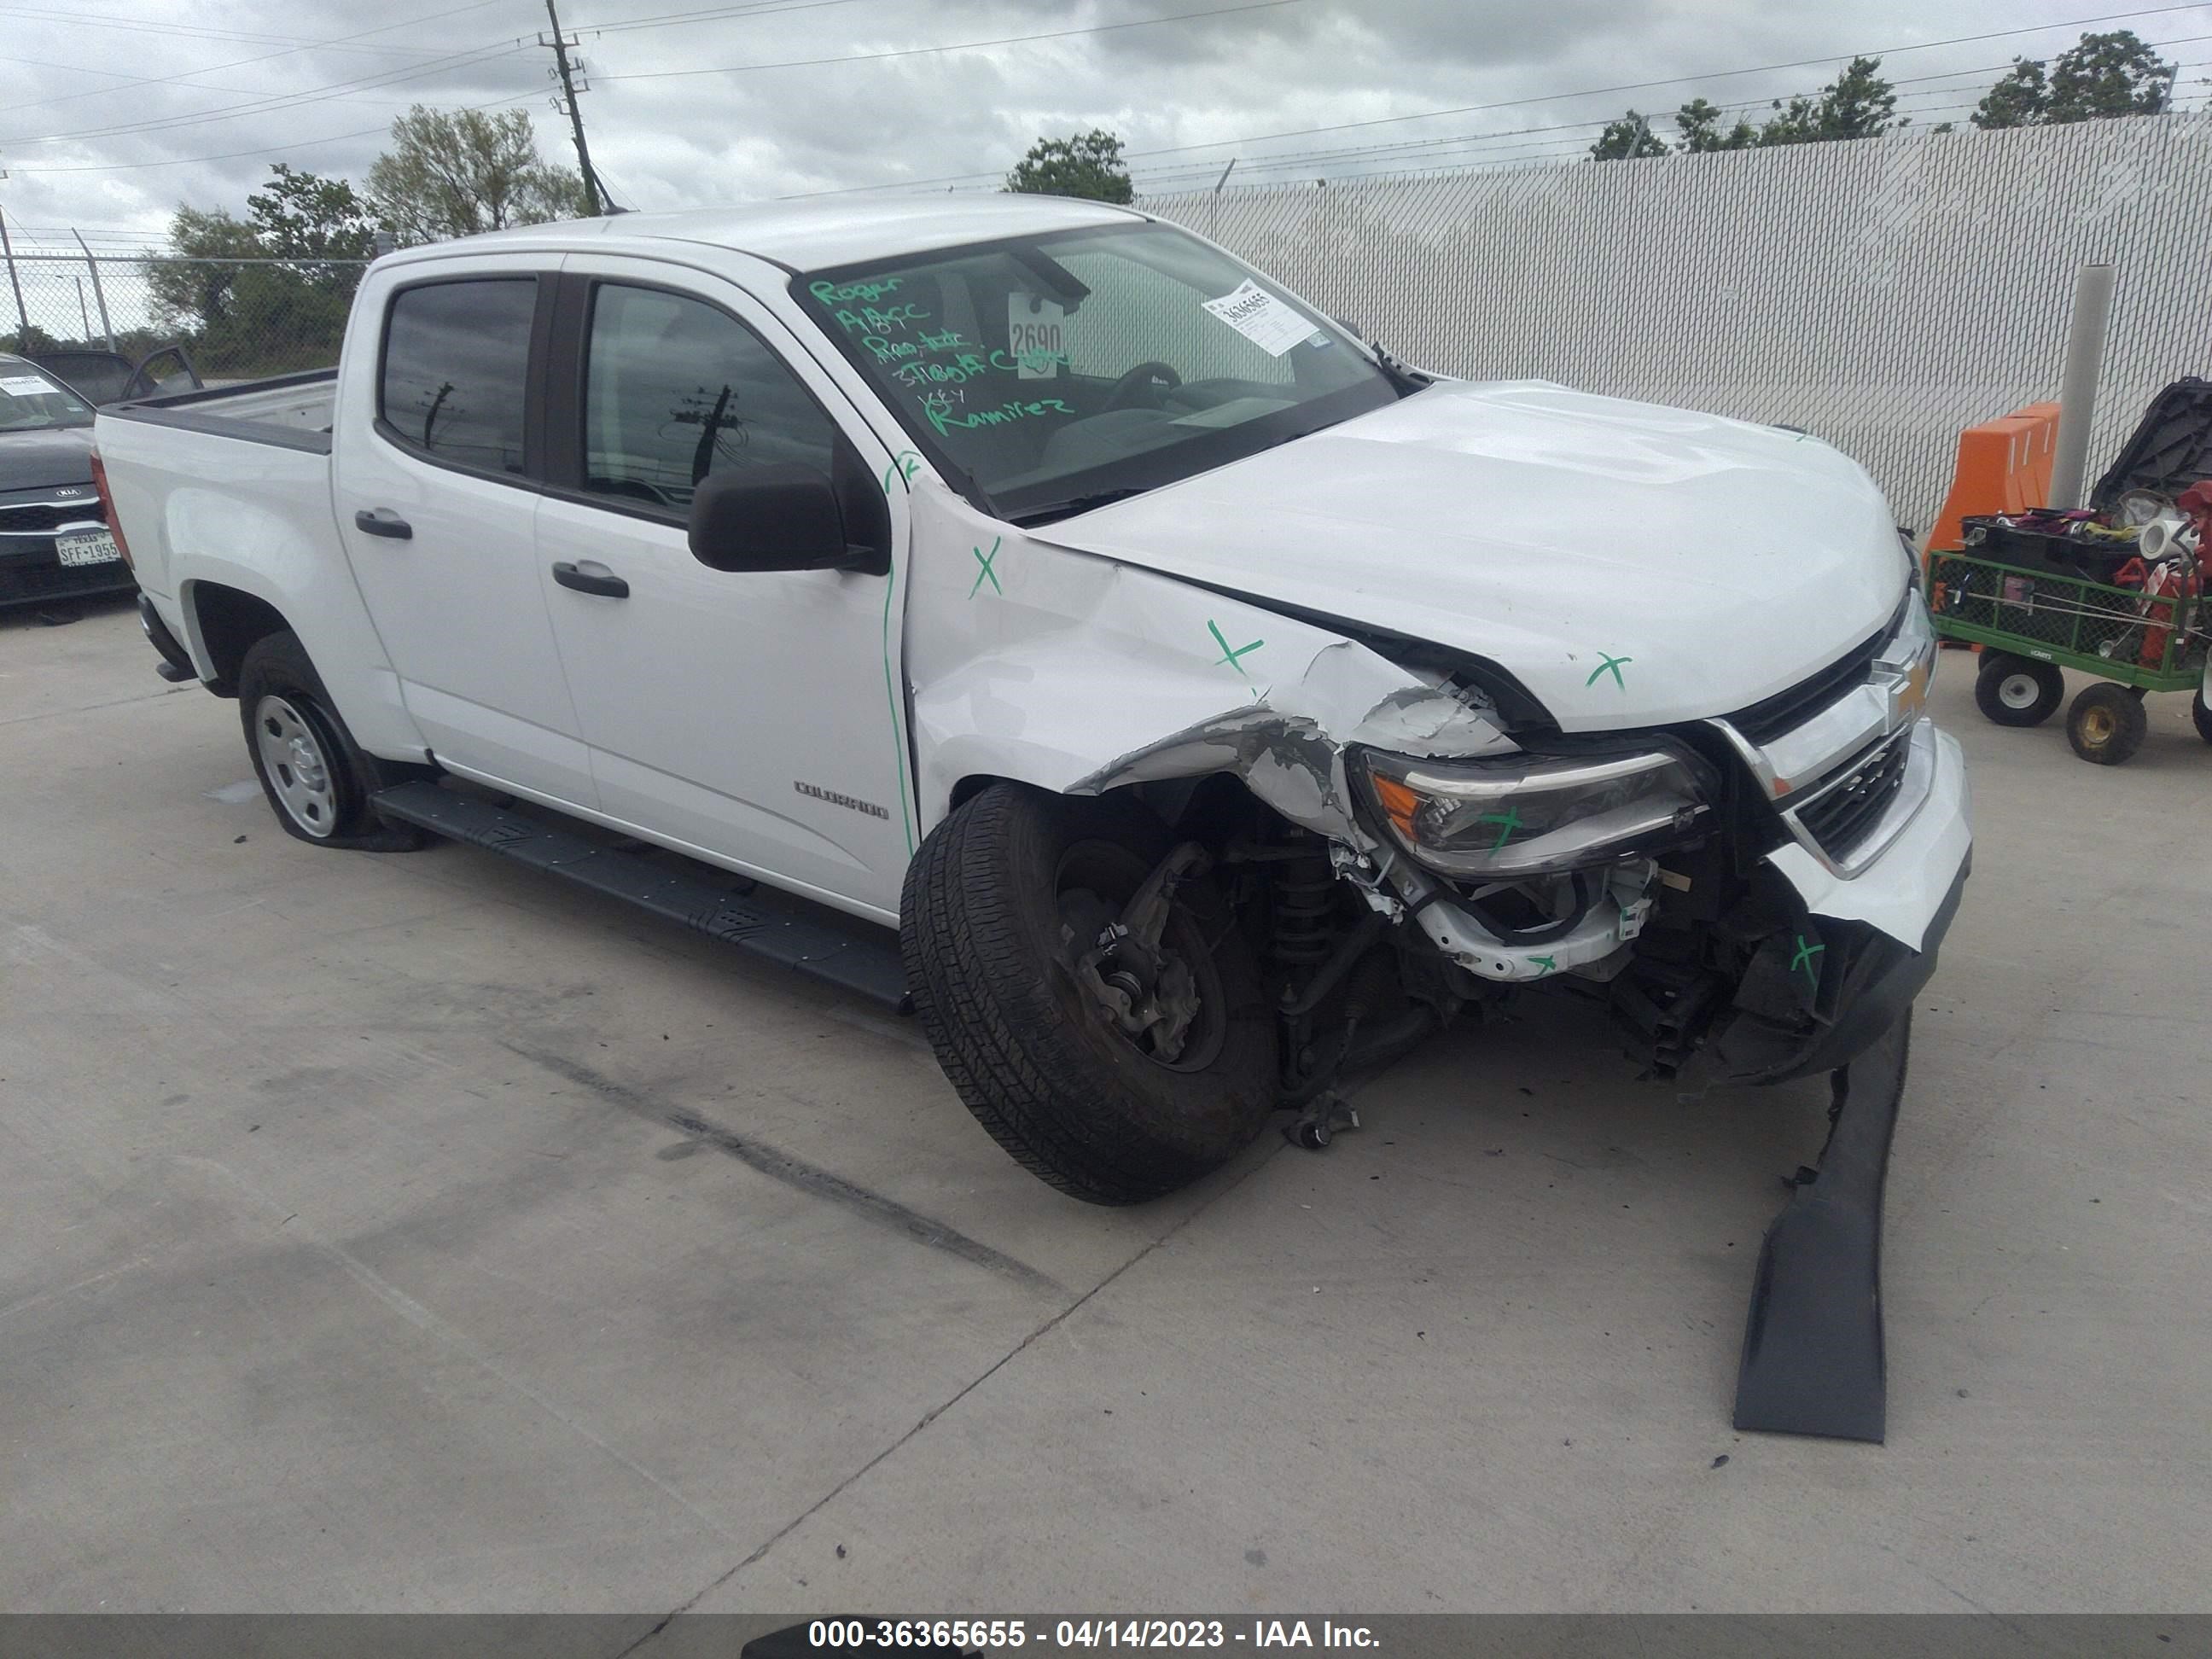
[[1881, 294]]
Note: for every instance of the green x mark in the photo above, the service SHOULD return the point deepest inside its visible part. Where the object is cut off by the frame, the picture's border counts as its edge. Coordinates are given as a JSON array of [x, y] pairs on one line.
[[984, 559], [1507, 822], [1549, 964], [1804, 959], [1611, 665], [1232, 653], [905, 464]]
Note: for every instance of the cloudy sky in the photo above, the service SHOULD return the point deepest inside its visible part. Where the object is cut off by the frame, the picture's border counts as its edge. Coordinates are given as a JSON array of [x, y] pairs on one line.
[[113, 111]]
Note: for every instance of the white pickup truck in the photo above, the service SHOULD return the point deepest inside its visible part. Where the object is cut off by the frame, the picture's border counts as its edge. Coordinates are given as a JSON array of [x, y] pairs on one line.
[[1213, 705]]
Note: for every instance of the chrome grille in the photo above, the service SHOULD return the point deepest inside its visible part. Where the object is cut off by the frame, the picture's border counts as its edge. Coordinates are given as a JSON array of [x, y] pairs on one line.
[[1786, 710], [43, 517], [1844, 813]]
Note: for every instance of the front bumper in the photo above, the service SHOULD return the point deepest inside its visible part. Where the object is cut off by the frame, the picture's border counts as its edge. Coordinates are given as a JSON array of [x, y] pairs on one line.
[[32, 573], [1876, 933]]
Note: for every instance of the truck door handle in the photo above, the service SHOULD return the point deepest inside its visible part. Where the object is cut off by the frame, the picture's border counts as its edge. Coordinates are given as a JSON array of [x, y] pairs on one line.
[[383, 521], [599, 581]]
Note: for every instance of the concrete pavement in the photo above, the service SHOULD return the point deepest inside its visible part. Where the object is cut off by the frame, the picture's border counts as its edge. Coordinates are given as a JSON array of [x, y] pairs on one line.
[[411, 1232]]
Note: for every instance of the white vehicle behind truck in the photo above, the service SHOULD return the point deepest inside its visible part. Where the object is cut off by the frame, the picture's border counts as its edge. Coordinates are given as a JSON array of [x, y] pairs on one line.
[[1180, 703]]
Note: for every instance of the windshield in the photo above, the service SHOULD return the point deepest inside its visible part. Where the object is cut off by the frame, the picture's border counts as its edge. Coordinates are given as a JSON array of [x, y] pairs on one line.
[[30, 400], [1043, 374]]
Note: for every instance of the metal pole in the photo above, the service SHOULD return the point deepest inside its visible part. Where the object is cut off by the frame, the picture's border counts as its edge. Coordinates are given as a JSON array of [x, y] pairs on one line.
[[1223, 179], [22, 317], [99, 293], [601, 203], [83, 313], [2077, 388]]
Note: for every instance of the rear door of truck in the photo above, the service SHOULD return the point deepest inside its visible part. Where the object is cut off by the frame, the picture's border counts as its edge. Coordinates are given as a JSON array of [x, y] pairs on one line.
[[437, 489]]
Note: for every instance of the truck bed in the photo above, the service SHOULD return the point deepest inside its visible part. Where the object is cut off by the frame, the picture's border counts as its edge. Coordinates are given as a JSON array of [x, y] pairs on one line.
[[294, 410]]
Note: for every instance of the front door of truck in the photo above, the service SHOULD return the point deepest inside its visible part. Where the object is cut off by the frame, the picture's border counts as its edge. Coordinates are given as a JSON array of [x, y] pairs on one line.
[[753, 716], [436, 496]]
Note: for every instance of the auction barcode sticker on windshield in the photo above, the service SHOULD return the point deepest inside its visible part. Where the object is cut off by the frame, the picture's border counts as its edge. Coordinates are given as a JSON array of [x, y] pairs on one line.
[[1261, 318]]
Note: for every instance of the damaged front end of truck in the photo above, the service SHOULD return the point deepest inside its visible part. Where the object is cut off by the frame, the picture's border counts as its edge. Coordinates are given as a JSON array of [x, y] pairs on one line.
[[1418, 858]]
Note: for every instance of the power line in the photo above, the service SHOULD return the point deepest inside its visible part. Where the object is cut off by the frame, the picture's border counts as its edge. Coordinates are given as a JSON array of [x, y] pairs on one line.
[[964, 46], [266, 149], [1678, 80], [1271, 162], [679, 19], [191, 31], [1548, 98], [273, 102], [240, 63]]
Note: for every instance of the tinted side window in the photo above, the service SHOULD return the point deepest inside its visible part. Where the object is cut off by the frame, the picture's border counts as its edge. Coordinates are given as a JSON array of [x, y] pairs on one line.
[[455, 358], [674, 389]]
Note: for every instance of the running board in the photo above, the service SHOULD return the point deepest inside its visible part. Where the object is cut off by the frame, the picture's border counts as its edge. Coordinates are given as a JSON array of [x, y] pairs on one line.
[[1813, 1360], [758, 921]]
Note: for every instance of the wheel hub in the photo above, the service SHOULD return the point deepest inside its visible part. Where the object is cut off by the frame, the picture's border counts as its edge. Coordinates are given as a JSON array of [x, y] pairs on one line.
[[1141, 986], [297, 770]]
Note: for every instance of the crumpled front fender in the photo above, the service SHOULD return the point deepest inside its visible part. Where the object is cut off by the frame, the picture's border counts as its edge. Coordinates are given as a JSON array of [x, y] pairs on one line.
[[1079, 674]]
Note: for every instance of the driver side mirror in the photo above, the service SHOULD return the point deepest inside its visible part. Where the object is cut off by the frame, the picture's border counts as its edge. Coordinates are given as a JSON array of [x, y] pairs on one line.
[[778, 517]]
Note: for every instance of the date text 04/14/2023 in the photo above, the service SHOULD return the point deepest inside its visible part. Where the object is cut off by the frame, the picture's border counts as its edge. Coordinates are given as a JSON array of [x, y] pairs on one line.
[[1006, 1635]]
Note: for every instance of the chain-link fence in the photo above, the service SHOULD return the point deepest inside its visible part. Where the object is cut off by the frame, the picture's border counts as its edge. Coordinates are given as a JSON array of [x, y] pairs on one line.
[[1881, 294], [235, 319]]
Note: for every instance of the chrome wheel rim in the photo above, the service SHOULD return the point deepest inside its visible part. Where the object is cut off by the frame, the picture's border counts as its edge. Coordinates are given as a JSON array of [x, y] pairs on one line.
[[297, 768]]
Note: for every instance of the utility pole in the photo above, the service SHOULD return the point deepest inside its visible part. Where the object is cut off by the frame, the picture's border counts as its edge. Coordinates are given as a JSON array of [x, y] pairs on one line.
[[562, 44]]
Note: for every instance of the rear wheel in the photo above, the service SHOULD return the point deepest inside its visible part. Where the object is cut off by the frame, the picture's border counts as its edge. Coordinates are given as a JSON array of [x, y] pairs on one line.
[[317, 779], [1088, 992], [2106, 723], [2018, 690]]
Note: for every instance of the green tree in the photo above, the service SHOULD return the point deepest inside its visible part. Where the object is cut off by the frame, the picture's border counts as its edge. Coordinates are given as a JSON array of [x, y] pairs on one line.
[[313, 221], [193, 286], [2098, 76], [2021, 98], [1628, 139], [1857, 104], [2106, 74], [1699, 125], [459, 172], [1088, 165], [270, 292]]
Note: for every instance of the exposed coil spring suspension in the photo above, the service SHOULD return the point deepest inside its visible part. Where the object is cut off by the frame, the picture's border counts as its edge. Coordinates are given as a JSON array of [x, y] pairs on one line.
[[1305, 894]]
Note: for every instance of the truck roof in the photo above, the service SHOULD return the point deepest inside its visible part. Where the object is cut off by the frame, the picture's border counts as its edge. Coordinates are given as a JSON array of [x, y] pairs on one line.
[[809, 235]]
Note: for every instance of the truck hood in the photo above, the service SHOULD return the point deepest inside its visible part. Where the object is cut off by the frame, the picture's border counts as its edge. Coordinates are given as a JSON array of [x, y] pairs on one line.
[[1630, 564], [45, 457]]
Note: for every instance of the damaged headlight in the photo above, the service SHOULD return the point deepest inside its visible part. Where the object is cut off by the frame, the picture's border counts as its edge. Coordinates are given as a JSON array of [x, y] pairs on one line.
[[1530, 815]]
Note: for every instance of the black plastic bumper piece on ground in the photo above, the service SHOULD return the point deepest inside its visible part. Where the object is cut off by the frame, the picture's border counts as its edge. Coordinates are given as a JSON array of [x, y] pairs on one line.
[[755, 921], [1813, 1360]]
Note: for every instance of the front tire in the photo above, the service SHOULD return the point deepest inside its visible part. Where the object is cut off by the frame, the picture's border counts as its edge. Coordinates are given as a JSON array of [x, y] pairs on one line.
[[2201, 716], [1000, 905], [317, 779], [2106, 723], [2018, 690]]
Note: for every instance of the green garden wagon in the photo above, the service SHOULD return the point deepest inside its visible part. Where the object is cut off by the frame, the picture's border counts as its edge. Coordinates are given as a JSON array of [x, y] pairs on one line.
[[2030, 624]]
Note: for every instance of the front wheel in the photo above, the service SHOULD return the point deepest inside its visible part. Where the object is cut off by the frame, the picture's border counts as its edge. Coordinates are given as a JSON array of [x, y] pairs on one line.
[[2018, 690], [2106, 723], [2201, 715], [317, 778], [1088, 992]]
